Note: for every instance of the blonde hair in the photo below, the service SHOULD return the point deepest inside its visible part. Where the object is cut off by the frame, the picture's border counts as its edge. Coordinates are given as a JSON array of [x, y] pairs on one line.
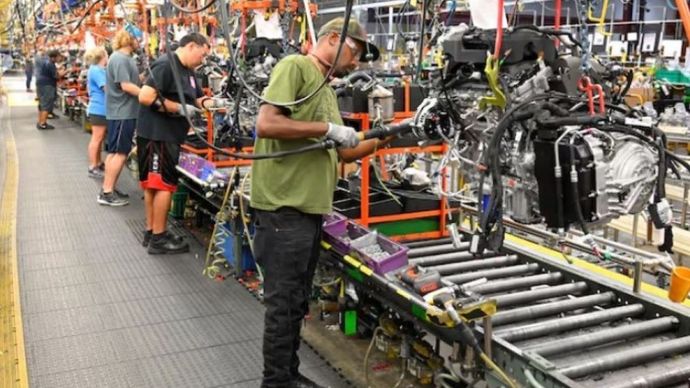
[[122, 39], [94, 55]]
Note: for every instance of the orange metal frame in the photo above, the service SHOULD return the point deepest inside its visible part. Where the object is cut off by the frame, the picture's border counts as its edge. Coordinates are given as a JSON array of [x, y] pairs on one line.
[[211, 154], [365, 219]]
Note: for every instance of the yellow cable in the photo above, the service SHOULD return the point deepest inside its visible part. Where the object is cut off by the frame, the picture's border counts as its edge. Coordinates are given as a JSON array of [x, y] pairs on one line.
[[491, 365]]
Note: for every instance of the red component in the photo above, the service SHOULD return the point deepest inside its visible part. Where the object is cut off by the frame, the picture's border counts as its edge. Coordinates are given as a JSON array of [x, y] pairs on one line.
[[586, 85]]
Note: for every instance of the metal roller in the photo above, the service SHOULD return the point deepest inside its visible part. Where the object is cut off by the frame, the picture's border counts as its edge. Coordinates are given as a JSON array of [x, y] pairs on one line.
[[500, 261], [427, 243], [626, 332], [627, 358], [442, 259], [569, 323], [546, 309], [491, 287], [493, 273], [437, 249], [540, 293], [665, 374]]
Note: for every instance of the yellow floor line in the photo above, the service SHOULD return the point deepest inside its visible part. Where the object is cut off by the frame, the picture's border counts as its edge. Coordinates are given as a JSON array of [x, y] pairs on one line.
[[21, 99], [13, 352]]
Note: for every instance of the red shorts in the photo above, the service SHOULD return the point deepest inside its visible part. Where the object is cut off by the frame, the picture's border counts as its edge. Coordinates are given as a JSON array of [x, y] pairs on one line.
[[158, 164]]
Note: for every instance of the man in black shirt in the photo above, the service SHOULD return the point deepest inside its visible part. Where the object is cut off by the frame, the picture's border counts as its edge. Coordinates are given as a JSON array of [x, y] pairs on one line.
[[161, 129], [46, 84]]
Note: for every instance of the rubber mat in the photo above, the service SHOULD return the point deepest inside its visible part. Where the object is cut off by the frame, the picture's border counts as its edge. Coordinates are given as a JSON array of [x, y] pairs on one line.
[[98, 310]]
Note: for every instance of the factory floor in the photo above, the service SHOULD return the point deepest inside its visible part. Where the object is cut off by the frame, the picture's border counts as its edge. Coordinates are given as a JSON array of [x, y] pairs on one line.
[[96, 309]]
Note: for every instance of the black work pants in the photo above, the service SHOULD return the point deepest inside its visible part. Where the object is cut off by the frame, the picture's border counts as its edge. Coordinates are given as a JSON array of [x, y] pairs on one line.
[[286, 246]]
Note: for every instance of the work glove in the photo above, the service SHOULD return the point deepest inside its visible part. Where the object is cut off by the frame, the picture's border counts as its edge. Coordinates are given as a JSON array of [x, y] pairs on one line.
[[344, 136], [191, 110], [215, 103]]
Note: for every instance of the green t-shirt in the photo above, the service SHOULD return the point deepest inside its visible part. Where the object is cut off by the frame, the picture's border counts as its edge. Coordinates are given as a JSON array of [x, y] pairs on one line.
[[303, 181]]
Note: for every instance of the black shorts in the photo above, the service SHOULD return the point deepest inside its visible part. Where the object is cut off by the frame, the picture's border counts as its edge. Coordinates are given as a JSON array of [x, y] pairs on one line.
[[158, 164], [98, 120], [47, 94], [120, 136]]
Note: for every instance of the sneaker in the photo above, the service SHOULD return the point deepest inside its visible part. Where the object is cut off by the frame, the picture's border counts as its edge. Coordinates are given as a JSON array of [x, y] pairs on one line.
[[95, 173], [302, 381], [29, 91], [44, 126], [101, 166], [52, 116], [149, 233], [121, 194], [110, 199], [147, 238], [167, 244]]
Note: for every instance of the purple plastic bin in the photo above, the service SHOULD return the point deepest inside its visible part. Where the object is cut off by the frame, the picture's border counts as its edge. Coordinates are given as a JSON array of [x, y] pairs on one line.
[[335, 224], [396, 259], [337, 241]]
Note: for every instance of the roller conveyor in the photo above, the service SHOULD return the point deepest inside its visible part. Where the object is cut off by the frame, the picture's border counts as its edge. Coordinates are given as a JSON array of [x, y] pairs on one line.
[[550, 312]]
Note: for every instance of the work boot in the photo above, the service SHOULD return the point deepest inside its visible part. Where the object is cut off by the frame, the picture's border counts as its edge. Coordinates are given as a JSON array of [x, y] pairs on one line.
[[304, 382], [167, 244]]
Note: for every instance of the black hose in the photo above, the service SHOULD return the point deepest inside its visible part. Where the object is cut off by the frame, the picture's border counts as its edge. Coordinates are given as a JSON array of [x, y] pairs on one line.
[[233, 60], [178, 86], [86, 13], [576, 195], [425, 9]]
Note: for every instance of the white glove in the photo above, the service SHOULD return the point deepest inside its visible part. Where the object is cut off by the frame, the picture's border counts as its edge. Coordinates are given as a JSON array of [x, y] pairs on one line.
[[344, 136], [215, 103], [191, 110]]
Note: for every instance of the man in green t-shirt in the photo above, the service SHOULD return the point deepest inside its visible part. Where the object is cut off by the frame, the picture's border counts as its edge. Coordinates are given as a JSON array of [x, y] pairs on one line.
[[289, 195]]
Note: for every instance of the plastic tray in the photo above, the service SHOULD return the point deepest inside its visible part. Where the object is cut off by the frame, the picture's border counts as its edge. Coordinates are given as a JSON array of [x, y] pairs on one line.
[[338, 241], [396, 259], [335, 224]]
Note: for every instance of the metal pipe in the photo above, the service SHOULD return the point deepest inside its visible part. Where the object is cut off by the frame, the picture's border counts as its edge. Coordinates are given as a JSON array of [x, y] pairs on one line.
[[491, 287], [637, 276], [493, 273], [539, 294], [671, 372], [630, 357], [569, 323], [552, 308], [442, 259], [454, 268], [436, 249], [634, 330], [427, 243]]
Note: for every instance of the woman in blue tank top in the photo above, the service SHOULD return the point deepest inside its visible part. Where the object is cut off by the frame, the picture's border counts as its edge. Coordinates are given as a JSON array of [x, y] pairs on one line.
[[97, 57]]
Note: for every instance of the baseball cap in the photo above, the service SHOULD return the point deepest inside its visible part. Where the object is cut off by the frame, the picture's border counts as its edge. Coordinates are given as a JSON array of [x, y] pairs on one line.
[[354, 31]]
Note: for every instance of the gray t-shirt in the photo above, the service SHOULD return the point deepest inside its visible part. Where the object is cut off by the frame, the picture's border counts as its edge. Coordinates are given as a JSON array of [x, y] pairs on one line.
[[119, 104]]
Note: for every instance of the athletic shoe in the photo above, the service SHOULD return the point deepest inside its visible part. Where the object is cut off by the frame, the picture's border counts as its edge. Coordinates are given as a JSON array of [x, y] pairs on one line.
[[44, 126], [95, 173], [52, 116], [121, 194], [167, 244], [110, 199]]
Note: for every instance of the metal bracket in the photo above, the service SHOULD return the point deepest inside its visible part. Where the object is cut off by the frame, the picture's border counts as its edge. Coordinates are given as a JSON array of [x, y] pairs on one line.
[[539, 361]]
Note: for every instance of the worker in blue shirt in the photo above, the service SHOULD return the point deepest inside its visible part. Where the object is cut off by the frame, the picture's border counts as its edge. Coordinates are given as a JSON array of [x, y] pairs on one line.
[[97, 58]]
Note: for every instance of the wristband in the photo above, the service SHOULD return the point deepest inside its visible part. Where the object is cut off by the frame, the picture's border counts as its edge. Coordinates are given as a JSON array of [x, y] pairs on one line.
[[156, 105], [204, 99]]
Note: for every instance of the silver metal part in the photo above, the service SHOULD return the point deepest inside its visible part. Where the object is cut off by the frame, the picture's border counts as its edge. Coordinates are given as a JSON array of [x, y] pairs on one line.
[[493, 273], [626, 332], [552, 308], [540, 293], [473, 265], [493, 286], [631, 175], [628, 357], [569, 323]]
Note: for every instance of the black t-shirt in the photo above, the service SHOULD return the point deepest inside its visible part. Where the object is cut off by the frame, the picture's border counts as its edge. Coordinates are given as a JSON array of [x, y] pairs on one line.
[[161, 126]]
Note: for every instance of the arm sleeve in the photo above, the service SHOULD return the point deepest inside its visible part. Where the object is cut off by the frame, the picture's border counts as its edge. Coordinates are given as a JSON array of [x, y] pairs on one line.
[[285, 84], [121, 72]]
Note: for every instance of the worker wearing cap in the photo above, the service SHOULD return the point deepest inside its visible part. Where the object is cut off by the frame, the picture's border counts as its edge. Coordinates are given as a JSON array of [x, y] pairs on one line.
[[289, 195]]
